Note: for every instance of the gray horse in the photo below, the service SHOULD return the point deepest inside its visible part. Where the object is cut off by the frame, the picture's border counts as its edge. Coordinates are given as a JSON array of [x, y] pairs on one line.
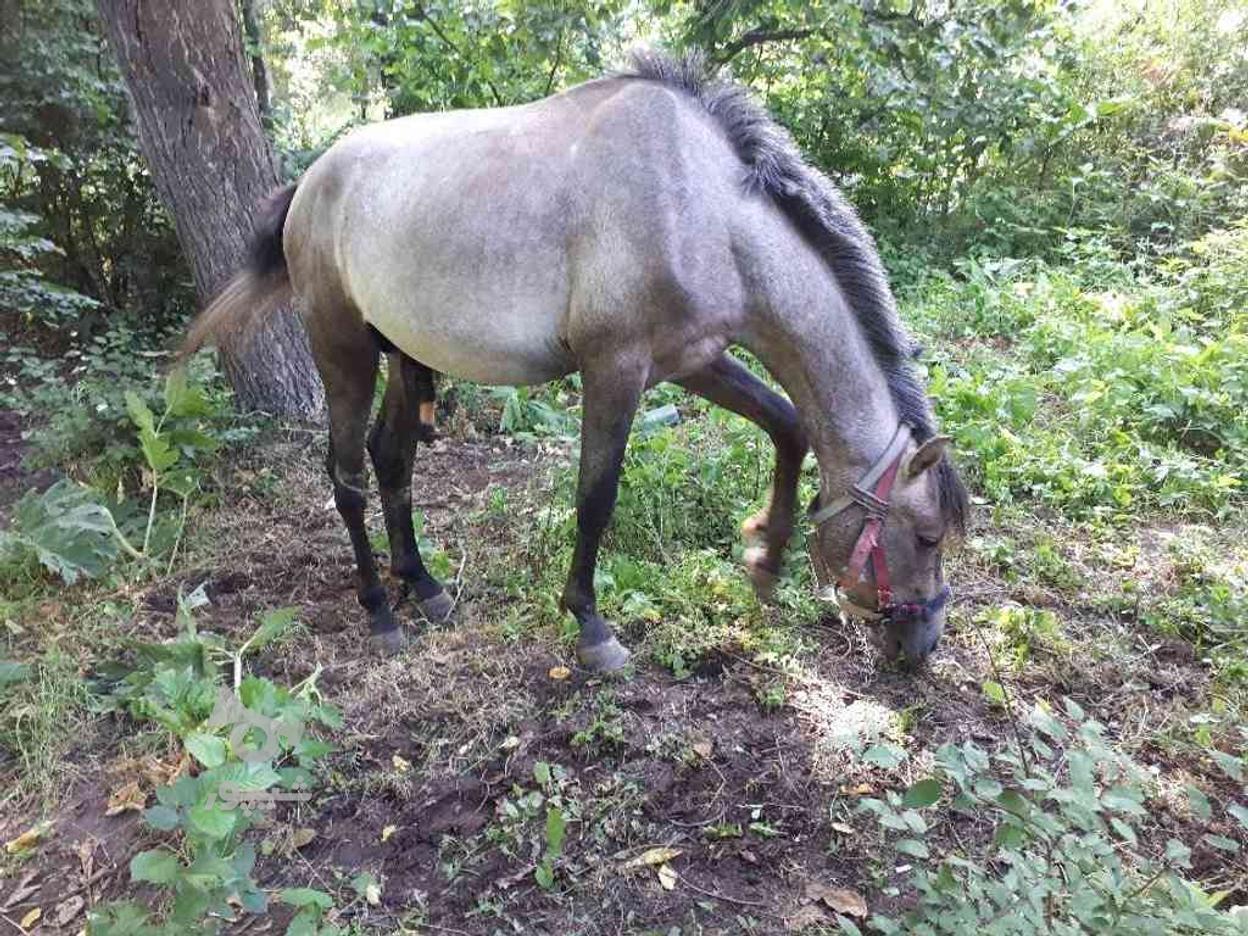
[[633, 229]]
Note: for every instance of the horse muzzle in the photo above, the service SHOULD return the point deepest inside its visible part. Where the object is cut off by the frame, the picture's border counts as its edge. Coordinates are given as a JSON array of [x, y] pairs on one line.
[[904, 629]]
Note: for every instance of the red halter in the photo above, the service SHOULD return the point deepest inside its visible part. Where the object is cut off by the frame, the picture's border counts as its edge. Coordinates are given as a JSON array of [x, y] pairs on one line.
[[872, 494]]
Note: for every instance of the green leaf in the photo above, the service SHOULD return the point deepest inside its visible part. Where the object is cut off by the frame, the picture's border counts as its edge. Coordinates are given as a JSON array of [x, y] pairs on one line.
[[302, 897], [541, 773], [922, 794], [161, 817], [1222, 842], [1198, 802], [555, 828], [366, 886], [70, 533], [272, 625], [887, 756], [213, 821], [544, 874], [140, 415], [1123, 799], [912, 847], [1232, 766], [1125, 832], [1178, 854], [12, 672], [994, 692], [1014, 802], [156, 866], [208, 749], [157, 451], [1240, 813]]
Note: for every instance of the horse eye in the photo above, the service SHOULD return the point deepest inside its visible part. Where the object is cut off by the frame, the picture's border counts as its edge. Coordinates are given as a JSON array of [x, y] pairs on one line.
[[926, 542]]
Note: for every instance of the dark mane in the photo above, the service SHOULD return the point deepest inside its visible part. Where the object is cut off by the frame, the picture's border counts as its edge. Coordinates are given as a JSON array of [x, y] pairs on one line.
[[828, 222]]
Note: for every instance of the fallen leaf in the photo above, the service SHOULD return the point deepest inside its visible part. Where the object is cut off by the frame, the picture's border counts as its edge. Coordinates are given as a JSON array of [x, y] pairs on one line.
[[126, 797], [653, 856], [842, 828], [560, 672], [31, 918], [510, 743], [301, 837], [703, 749], [68, 909], [372, 893], [841, 899], [387, 832], [667, 877], [861, 789], [401, 764], [846, 901], [807, 917], [28, 839]]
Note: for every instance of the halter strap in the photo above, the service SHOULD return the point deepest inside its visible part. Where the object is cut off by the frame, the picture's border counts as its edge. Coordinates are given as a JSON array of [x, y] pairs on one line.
[[872, 493], [864, 493]]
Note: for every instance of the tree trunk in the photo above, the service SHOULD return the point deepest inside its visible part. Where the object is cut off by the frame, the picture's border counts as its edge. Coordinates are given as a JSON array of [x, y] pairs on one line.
[[199, 128], [259, 73]]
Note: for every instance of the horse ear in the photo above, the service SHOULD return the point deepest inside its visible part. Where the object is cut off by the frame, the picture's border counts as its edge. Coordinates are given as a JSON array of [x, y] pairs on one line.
[[927, 455]]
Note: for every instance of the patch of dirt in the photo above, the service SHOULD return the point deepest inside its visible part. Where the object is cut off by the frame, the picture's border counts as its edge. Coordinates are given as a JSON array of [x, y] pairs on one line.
[[15, 478]]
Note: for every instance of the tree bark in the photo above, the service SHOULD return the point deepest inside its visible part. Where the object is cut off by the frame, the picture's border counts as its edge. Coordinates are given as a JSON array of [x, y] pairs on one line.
[[199, 128], [259, 73]]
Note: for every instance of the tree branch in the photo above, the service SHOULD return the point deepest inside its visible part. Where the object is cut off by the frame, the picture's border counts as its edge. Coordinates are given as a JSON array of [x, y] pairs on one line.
[[424, 16], [755, 37]]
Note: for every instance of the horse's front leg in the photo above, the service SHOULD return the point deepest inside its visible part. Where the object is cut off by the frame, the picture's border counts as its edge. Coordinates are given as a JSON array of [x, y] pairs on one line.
[[728, 383], [609, 401]]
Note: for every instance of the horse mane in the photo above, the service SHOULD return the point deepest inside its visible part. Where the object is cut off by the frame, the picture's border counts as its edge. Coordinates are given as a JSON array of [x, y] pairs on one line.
[[829, 223]]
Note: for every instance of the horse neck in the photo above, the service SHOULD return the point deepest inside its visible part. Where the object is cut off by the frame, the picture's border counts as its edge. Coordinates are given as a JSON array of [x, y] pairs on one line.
[[809, 338]]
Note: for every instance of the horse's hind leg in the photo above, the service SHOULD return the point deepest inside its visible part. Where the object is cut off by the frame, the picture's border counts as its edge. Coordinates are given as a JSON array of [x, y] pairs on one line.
[[728, 383], [405, 417], [346, 356]]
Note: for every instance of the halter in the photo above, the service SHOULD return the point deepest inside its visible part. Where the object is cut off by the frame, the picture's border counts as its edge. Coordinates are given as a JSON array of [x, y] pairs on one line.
[[872, 493]]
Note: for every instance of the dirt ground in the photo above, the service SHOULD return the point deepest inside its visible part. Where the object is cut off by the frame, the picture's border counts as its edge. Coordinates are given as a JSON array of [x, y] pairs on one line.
[[426, 791]]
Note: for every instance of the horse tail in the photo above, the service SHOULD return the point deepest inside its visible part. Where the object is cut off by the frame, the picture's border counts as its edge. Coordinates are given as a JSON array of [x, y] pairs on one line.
[[259, 289]]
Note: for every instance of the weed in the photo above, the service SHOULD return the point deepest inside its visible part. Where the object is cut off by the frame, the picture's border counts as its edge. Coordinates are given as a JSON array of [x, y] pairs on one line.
[[245, 743], [1064, 856]]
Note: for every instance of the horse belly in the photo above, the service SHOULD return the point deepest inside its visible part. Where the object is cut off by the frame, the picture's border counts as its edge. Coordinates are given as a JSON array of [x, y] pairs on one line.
[[483, 343]]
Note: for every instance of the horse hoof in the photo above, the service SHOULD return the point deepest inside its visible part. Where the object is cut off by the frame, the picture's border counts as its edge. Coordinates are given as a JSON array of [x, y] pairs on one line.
[[388, 643], [609, 656], [761, 572], [436, 608]]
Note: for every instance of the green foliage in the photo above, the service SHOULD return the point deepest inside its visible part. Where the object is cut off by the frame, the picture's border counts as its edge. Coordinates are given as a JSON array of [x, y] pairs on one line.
[[83, 415], [532, 822], [66, 530], [311, 906], [1099, 398], [1025, 631], [1064, 855], [78, 179], [526, 414], [69, 530], [24, 288], [249, 744], [1208, 609]]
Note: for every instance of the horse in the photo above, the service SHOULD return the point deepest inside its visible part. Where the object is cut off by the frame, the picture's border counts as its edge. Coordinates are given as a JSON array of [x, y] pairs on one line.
[[634, 229]]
